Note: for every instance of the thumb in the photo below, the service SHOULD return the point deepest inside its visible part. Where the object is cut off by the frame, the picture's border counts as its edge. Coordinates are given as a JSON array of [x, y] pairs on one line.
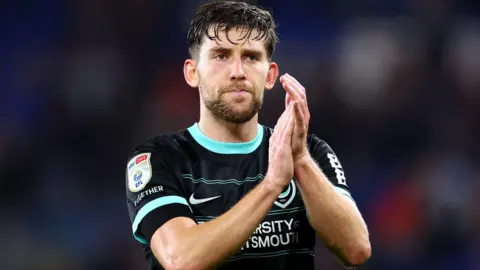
[[288, 100]]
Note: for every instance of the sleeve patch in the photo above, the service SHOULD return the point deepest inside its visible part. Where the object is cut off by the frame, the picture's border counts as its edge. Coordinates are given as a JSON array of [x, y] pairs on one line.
[[139, 172], [335, 163]]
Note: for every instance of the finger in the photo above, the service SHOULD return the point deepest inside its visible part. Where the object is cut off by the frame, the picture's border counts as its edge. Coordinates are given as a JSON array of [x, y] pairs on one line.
[[295, 89], [281, 121], [287, 136], [294, 81], [300, 90], [306, 113], [288, 99], [279, 124], [286, 112], [303, 107], [282, 118], [291, 91], [300, 124], [296, 86], [288, 115]]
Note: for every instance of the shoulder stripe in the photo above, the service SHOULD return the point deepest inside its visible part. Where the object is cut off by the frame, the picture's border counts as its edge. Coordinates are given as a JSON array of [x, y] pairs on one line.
[[149, 207]]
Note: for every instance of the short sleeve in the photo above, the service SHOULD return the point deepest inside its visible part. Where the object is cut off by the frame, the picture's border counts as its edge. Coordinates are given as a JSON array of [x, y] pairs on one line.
[[154, 192], [328, 161]]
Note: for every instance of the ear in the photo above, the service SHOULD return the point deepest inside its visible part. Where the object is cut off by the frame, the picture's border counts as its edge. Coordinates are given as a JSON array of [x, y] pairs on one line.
[[190, 72], [271, 75]]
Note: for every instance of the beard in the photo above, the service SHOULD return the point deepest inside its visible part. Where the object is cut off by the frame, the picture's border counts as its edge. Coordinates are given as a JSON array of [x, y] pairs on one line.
[[227, 110]]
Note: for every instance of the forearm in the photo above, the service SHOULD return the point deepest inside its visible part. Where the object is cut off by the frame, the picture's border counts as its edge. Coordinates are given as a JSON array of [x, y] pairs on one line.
[[333, 215], [211, 243]]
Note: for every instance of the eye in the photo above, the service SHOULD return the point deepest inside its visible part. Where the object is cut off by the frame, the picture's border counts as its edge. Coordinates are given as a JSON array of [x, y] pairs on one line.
[[220, 56], [252, 58]]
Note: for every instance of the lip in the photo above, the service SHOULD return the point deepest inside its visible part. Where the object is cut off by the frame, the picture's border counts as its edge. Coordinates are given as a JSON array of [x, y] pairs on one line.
[[238, 91]]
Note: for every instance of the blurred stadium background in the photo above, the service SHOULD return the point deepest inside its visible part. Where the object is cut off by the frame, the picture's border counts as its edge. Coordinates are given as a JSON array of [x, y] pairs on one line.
[[393, 86]]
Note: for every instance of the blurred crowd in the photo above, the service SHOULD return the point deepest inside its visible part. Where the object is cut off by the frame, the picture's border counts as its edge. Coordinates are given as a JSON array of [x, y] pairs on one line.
[[393, 87]]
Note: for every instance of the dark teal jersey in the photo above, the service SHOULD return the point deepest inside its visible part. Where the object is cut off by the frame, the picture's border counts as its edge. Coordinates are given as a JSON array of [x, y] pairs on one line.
[[188, 174]]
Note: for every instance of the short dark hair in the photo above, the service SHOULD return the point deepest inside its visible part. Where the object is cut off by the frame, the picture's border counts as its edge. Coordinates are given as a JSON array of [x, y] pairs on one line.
[[225, 15]]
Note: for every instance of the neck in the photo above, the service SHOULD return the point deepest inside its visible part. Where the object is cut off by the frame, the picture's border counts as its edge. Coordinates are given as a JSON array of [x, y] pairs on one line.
[[222, 131]]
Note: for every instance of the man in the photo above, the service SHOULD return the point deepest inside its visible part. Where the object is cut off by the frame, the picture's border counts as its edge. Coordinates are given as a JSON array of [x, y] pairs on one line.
[[227, 192]]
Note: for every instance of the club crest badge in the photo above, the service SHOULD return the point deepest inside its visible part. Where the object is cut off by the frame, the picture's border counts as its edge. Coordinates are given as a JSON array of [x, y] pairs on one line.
[[287, 196]]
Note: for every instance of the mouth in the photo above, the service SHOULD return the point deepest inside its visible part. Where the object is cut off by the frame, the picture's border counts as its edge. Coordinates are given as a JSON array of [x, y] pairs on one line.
[[238, 91]]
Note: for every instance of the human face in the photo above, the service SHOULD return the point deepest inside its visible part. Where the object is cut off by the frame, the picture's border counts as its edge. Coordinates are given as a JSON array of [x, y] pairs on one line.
[[232, 76]]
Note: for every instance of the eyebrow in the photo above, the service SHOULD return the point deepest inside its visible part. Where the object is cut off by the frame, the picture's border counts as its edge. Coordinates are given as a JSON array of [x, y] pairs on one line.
[[229, 50]]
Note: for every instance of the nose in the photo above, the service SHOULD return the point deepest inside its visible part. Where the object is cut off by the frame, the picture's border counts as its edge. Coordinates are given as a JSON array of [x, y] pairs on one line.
[[237, 72]]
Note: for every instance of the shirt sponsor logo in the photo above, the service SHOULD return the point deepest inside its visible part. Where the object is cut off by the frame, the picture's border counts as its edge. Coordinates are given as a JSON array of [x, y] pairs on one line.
[[274, 233]]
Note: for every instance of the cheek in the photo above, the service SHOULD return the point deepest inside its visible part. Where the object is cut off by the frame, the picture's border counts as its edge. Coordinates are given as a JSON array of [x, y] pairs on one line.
[[213, 76], [260, 76], [261, 70], [208, 86], [216, 67]]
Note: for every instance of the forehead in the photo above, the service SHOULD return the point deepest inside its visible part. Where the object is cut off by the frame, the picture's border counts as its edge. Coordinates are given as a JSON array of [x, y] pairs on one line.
[[235, 37]]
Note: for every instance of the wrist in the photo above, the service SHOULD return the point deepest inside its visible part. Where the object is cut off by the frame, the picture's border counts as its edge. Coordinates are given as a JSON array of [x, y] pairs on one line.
[[271, 186], [302, 161]]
